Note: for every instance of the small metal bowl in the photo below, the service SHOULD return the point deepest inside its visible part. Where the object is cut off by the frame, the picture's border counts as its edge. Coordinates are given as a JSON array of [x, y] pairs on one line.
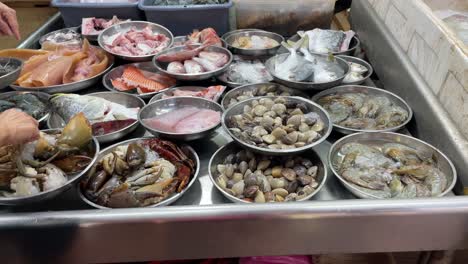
[[63, 30], [311, 107], [42, 96], [127, 100], [43, 196], [170, 92], [117, 73], [10, 77], [353, 45], [180, 41], [176, 196], [162, 66], [232, 147], [443, 163], [139, 25], [234, 93], [226, 35], [306, 86], [254, 52], [370, 91], [68, 87], [164, 106], [362, 62]]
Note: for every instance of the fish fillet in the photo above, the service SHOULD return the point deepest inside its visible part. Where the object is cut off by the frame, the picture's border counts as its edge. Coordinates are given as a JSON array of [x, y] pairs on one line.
[[167, 122], [200, 121]]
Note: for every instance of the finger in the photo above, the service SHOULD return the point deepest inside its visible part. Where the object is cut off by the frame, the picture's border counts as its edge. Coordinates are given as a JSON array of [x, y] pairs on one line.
[[13, 23], [5, 28]]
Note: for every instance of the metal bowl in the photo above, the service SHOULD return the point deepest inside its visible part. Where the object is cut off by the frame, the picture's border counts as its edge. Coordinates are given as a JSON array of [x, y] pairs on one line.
[[139, 25], [232, 147], [353, 45], [311, 107], [180, 40], [370, 91], [170, 92], [176, 196], [63, 30], [170, 104], [306, 86], [234, 93], [68, 87], [42, 96], [55, 192], [226, 35], [254, 52], [10, 77], [117, 73], [443, 163], [362, 62], [162, 66], [127, 100]]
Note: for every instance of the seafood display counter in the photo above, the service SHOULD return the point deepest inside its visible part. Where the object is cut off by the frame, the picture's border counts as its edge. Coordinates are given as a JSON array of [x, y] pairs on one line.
[[203, 223]]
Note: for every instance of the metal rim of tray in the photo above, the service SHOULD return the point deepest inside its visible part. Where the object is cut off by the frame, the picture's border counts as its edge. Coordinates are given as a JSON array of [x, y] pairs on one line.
[[40, 96], [165, 202], [351, 88]]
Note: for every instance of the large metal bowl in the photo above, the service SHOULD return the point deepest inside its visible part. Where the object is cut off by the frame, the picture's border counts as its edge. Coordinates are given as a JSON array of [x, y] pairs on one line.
[[234, 93], [227, 34], [180, 40], [54, 192], [353, 45], [164, 106], [176, 196], [362, 62], [443, 163], [68, 87], [232, 147], [42, 96], [127, 100], [162, 66], [370, 91], [254, 52], [306, 86], [311, 107], [139, 25], [10, 77], [170, 92], [118, 71]]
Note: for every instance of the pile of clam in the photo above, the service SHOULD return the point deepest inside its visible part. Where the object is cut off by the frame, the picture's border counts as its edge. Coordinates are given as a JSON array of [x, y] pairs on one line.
[[276, 124], [260, 178], [261, 90]]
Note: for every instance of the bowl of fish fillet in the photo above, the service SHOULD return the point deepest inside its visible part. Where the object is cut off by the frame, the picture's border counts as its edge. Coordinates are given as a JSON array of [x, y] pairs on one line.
[[181, 118]]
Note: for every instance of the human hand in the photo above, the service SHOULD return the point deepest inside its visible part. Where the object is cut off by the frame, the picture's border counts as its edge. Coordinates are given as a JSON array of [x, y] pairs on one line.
[[17, 128], [8, 22]]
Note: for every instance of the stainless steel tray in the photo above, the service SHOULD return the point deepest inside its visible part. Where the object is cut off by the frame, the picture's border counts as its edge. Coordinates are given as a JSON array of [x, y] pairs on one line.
[[204, 224]]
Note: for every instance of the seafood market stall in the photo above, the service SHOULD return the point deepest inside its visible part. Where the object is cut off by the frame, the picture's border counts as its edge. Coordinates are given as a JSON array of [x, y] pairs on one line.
[[205, 223]]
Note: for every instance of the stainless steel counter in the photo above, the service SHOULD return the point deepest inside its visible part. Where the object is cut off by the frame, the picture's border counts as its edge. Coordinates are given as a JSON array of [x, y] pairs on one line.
[[204, 224]]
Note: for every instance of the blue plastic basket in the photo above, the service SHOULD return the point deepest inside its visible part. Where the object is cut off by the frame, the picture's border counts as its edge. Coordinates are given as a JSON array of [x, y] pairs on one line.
[[182, 20], [73, 13]]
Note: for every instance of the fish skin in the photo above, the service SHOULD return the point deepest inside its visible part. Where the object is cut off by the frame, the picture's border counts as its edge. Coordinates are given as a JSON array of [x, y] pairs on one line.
[[182, 55]]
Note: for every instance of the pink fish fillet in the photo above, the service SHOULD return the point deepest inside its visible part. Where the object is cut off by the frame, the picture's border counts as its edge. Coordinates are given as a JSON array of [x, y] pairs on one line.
[[182, 55], [219, 59], [207, 65], [176, 67], [167, 122], [200, 121], [192, 67]]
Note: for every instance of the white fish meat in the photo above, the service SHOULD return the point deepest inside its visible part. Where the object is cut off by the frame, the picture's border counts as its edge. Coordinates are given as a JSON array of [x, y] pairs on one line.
[[295, 67], [356, 67], [324, 41], [248, 72], [353, 77]]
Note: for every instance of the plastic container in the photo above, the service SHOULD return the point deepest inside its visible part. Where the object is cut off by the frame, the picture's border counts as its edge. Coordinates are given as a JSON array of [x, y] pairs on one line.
[[73, 11], [182, 20]]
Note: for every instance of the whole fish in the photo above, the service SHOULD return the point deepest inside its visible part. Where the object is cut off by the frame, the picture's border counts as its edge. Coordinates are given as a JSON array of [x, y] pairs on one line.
[[295, 67], [176, 67], [324, 41], [192, 66], [206, 64], [188, 53]]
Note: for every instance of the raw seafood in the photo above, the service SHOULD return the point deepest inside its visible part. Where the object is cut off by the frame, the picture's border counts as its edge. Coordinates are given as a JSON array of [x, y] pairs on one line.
[[136, 42], [254, 42], [390, 170], [105, 116], [356, 72], [60, 65], [189, 2], [276, 123], [92, 26], [246, 72], [194, 59], [46, 163], [263, 179], [259, 90], [67, 37], [207, 36], [143, 81], [324, 41], [363, 111], [212, 93], [7, 68], [142, 173], [185, 120], [27, 102]]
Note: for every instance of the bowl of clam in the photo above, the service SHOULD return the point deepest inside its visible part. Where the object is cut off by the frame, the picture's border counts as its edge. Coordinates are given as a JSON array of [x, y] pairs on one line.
[[277, 125], [243, 176]]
